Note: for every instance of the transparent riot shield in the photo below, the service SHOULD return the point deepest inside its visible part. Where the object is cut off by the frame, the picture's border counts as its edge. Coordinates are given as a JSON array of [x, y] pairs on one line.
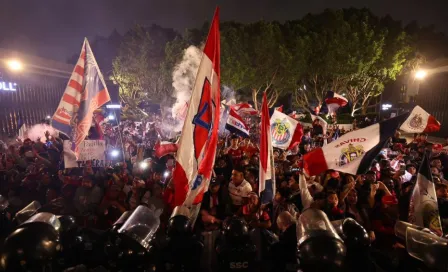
[[141, 225], [44, 218], [25, 213], [313, 222], [120, 221], [428, 248], [401, 228]]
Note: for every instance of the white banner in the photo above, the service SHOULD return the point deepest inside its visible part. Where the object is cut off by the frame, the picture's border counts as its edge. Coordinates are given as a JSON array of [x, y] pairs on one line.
[[89, 150]]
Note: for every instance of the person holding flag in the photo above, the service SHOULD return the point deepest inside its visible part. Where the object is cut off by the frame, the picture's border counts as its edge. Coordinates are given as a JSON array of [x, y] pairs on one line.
[[86, 91], [423, 208], [199, 139], [267, 177]]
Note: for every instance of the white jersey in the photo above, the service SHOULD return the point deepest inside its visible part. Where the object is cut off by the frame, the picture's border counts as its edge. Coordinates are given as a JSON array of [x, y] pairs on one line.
[[237, 193]]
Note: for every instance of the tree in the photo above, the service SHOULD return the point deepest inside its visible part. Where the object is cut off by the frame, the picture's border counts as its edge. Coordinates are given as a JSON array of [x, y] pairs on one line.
[[389, 48], [323, 40], [348, 51], [138, 67], [252, 59]]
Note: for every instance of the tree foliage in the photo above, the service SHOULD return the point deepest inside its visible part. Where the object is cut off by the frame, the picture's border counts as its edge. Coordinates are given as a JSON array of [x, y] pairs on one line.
[[349, 51], [138, 68]]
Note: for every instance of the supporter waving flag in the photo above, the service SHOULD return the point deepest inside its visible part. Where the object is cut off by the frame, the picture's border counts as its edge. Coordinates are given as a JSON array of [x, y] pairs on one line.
[[353, 152], [267, 175], [286, 132], [334, 101], [236, 125], [423, 208], [420, 121], [86, 91], [197, 144], [245, 108]]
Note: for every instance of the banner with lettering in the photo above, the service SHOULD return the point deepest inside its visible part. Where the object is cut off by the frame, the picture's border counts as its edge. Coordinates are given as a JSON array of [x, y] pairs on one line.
[[89, 150]]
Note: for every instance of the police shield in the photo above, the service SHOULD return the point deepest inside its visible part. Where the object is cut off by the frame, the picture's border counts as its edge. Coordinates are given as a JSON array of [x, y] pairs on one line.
[[44, 218], [401, 228], [33, 245], [25, 213], [142, 225], [320, 247], [428, 248]]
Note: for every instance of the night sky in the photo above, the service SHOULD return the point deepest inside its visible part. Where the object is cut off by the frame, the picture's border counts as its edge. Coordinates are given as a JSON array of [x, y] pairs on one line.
[[55, 28]]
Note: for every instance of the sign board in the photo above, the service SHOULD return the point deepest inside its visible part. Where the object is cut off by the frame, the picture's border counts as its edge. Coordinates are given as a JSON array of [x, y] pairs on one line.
[[8, 86], [90, 150]]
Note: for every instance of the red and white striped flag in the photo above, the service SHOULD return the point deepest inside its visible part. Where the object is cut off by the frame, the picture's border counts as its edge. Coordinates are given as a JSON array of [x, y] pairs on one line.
[[244, 108], [86, 91], [199, 139]]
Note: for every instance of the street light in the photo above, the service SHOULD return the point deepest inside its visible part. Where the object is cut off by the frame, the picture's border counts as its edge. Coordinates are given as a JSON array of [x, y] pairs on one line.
[[421, 74], [14, 65]]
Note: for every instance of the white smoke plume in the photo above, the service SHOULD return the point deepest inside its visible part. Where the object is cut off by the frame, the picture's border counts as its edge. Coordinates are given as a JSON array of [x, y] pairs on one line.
[[227, 95], [38, 131], [184, 76]]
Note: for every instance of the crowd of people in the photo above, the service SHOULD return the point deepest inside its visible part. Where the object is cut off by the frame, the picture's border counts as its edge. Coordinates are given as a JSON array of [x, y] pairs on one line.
[[34, 171]]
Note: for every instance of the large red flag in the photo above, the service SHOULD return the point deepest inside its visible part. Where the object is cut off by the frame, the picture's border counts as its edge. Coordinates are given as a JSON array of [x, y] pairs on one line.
[[267, 176], [197, 144]]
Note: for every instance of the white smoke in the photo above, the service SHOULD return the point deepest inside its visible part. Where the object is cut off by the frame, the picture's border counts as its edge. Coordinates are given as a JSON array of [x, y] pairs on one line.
[[38, 131], [184, 76], [227, 96]]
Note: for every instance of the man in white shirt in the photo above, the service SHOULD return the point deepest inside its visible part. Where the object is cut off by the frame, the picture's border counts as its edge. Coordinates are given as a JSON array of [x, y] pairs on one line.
[[239, 188]]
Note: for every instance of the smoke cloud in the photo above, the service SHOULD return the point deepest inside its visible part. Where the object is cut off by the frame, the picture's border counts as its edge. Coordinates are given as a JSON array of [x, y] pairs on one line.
[[38, 131], [184, 76]]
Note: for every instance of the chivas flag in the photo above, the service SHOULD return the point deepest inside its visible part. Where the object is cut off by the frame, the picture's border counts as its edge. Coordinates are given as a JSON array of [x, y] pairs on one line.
[[198, 141], [334, 101], [354, 152], [423, 208], [420, 121], [236, 125], [286, 132], [267, 175], [86, 91]]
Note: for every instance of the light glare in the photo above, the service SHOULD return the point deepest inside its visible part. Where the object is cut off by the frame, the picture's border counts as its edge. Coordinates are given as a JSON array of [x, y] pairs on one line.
[[421, 74], [15, 65]]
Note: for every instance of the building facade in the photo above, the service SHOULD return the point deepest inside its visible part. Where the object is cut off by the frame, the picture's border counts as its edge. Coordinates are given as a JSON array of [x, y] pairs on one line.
[[30, 94]]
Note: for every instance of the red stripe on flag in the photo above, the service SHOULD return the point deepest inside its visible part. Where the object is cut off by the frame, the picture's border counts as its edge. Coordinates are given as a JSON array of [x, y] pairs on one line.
[[314, 162], [75, 85], [212, 46], [265, 129], [102, 97], [297, 137], [180, 185], [433, 125], [79, 70], [70, 99]]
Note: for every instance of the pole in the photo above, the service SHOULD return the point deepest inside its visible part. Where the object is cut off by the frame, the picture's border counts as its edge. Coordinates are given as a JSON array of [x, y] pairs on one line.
[[120, 137]]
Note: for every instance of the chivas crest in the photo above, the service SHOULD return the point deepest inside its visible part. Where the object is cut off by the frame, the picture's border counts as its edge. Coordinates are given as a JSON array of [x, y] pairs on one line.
[[350, 153], [280, 132], [416, 122]]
